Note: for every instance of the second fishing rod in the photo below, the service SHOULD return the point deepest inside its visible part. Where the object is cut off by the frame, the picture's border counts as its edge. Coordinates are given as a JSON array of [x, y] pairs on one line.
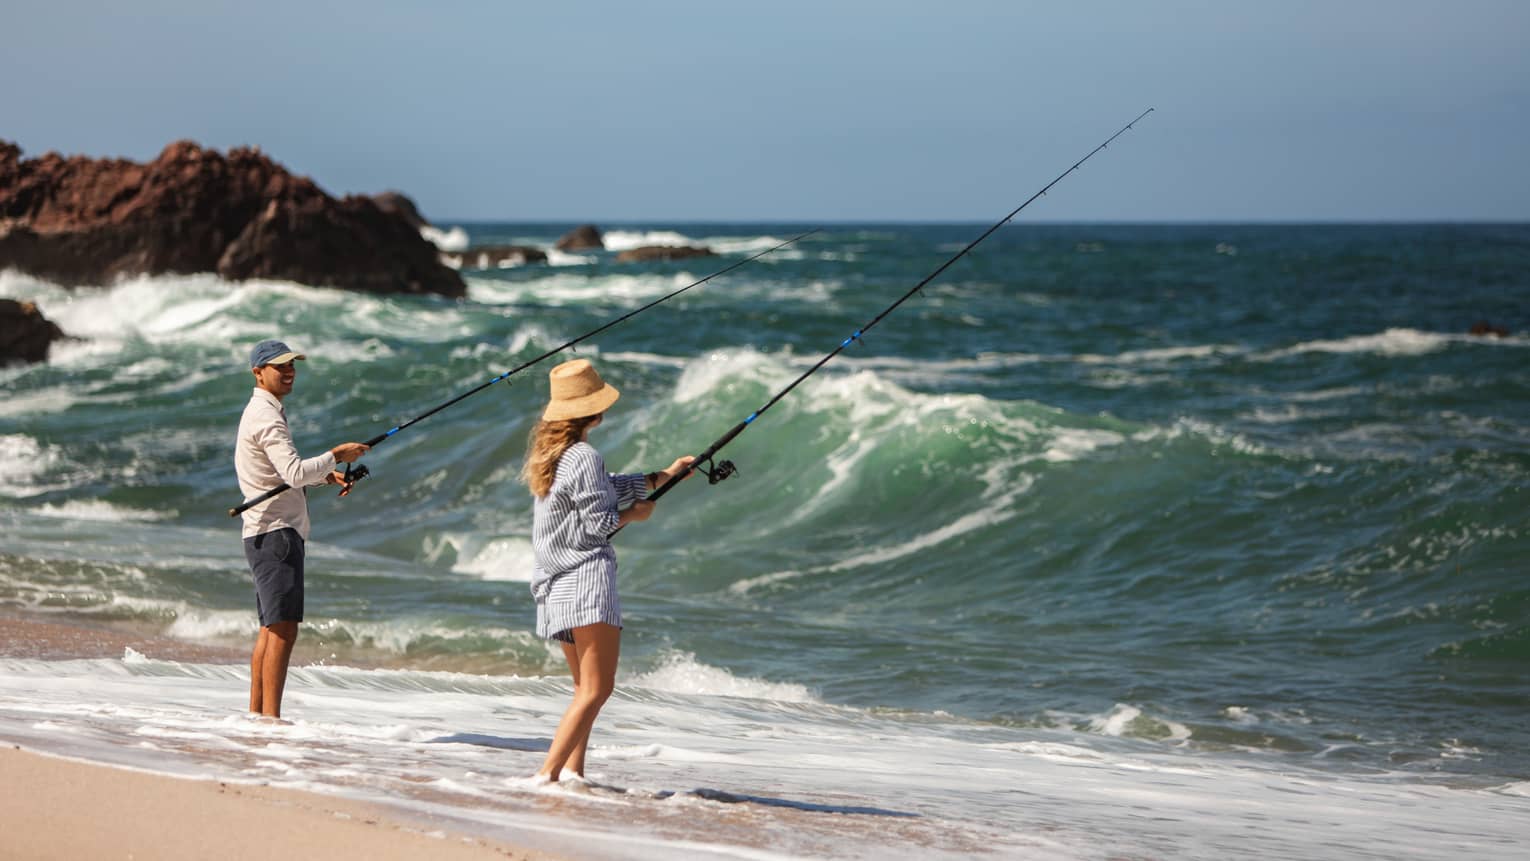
[[722, 469], [357, 472]]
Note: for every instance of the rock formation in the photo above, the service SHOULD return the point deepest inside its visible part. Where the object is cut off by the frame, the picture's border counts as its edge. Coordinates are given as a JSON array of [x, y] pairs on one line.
[[647, 253], [25, 334], [399, 203], [585, 237], [78, 221]]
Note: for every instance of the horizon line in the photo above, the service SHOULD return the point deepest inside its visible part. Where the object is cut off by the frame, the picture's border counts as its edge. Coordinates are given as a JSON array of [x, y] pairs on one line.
[[1082, 222]]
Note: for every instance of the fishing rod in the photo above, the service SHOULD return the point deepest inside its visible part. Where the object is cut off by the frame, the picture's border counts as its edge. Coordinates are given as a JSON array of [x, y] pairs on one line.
[[359, 471], [723, 469]]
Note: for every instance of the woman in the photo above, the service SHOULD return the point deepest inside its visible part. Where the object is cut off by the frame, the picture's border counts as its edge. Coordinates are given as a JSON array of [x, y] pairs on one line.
[[577, 506]]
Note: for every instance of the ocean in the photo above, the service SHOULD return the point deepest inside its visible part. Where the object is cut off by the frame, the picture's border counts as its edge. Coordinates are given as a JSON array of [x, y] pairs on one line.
[[1117, 541]]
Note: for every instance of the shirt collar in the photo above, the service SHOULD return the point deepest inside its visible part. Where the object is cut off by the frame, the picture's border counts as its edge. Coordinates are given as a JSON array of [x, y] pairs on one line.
[[269, 398]]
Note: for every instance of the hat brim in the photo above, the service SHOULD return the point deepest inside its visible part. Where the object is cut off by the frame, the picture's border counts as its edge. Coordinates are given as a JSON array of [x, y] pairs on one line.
[[284, 358], [591, 404]]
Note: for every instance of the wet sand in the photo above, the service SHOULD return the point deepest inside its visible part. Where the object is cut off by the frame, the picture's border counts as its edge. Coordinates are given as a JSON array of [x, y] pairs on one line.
[[64, 639]]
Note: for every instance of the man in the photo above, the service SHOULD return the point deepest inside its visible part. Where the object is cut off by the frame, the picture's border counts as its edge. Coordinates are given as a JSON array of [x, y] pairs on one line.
[[275, 530]]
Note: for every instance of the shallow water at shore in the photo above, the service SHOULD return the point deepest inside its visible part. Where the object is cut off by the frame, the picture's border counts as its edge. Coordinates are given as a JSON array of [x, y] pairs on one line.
[[703, 776]]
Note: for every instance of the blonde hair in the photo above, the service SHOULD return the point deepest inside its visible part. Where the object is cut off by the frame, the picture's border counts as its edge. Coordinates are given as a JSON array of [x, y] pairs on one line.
[[546, 445]]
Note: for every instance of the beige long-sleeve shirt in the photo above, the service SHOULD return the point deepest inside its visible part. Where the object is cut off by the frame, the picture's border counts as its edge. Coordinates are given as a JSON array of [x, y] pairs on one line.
[[264, 457]]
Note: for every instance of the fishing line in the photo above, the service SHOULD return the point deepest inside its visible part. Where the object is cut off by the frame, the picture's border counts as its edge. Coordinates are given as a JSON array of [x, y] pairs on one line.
[[723, 469], [359, 471]]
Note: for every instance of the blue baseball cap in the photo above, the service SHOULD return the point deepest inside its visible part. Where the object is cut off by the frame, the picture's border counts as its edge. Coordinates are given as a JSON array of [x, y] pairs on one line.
[[272, 352]]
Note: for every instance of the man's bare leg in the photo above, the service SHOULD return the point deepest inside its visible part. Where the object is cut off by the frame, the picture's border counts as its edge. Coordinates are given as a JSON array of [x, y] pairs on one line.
[[278, 638], [257, 671]]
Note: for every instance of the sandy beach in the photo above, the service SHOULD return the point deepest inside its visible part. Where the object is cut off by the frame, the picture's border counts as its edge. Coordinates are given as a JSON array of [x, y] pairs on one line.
[[68, 809], [63, 809]]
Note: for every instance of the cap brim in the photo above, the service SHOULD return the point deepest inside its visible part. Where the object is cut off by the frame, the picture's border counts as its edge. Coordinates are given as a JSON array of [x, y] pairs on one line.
[[284, 358], [591, 404]]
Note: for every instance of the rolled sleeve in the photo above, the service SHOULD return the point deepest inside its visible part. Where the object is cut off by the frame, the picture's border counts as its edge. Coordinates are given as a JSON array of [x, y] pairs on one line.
[[629, 488]]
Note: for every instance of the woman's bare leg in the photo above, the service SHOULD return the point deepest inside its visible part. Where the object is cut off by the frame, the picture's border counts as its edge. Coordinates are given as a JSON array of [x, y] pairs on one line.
[[575, 762], [596, 650]]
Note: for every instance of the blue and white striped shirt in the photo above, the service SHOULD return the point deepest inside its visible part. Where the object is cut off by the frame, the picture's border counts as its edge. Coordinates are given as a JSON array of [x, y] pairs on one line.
[[571, 526]]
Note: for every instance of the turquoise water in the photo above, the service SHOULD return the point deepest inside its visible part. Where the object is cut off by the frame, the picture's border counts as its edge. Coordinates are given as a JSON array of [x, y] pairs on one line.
[[1224, 489]]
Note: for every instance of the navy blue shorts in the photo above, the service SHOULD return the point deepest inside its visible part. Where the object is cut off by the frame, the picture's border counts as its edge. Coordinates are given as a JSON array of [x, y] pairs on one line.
[[276, 562]]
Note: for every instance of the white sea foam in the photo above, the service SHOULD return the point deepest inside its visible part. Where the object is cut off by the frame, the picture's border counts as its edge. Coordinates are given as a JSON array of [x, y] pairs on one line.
[[1124, 720], [1240, 714], [199, 624], [1213, 434], [564, 258], [197, 310], [17, 285], [23, 461], [624, 240], [54, 400], [681, 673], [508, 558], [649, 359], [455, 239], [401, 635], [572, 288], [1160, 355], [351, 349], [806, 779], [749, 584], [101, 510], [703, 377], [743, 245], [1392, 342], [1521, 789], [160, 308]]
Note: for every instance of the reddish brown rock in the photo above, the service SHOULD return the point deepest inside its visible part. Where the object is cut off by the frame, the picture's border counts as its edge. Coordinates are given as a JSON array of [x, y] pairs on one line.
[[78, 220], [648, 253], [585, 237], [25, 334]]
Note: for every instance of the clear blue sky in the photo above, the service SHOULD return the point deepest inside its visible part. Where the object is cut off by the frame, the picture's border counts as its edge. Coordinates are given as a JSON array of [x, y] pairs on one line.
[[811, 111]]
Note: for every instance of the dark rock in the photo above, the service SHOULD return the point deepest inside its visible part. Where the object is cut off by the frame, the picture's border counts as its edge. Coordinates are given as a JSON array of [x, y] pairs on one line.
[[1486, 329], [88, 221], [398, 203], [585, 237], [497, 256], [25, 334], [648, 253]]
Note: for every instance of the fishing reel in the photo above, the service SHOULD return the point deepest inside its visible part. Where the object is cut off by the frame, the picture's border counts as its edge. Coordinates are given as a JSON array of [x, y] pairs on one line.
[[354, 472], [715, 473]]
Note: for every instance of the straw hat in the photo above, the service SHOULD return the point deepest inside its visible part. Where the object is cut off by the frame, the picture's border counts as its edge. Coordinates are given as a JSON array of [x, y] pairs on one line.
[[577, 391]]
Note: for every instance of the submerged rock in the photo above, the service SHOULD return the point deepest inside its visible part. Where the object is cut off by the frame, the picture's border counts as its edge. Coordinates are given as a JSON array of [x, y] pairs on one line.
[[648, 253], [79, 220], [25, 334]]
